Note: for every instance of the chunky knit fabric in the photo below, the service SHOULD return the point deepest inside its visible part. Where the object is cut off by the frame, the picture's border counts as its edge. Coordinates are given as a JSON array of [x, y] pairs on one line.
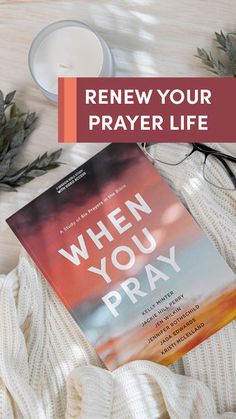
[[48, 369]]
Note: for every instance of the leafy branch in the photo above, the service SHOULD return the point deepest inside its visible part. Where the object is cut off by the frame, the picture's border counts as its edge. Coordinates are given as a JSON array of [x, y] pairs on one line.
[[226, 43], [15, 127]]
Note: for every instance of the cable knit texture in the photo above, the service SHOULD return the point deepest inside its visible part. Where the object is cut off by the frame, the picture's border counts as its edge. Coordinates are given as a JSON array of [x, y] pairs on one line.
[[49, 370]]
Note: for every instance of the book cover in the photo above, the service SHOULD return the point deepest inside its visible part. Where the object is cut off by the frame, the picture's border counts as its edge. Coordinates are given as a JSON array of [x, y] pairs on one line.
[[131, 265]]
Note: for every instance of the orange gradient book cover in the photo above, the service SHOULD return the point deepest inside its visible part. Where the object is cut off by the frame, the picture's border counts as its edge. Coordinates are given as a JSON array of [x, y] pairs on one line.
[[127, 259]]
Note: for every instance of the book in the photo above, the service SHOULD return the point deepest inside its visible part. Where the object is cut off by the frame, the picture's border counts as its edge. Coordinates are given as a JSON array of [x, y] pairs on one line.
[[127, 259]]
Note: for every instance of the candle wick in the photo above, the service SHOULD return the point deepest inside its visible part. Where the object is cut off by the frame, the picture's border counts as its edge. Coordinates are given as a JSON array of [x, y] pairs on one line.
[[64, 66]]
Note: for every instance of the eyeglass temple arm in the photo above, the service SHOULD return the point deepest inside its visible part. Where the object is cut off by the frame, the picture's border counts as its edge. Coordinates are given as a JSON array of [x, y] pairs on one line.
[[208, 150], [227, 168], [228, 157]]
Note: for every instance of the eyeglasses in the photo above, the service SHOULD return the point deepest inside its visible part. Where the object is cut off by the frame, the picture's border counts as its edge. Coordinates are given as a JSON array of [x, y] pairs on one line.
[[217, 166]]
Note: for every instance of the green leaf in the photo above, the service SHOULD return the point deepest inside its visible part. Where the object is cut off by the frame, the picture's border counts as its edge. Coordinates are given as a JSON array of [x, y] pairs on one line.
[[4, 151], [1, 105], [55, 155], [30, 119], [36, 172], [221, 39], [29, 130], [4, 167], [226, 43], [1, 143], [230, 49], [12, 122], [43, 161], [15, 127], [216, 66], [15, 111], [53, 165], [23, 180], [9, 97], [18, 138], [11, 153], [7, 188]]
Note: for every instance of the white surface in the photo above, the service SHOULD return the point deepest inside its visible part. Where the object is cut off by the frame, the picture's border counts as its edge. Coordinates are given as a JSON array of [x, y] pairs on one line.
[[230, 148], [148, 38], [71, 51]]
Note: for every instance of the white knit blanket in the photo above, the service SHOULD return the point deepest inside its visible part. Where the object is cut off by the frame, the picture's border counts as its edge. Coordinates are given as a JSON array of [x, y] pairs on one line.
[[48, 369]]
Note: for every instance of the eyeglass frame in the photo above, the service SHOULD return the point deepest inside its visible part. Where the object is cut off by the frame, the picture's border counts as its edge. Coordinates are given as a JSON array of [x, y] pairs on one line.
[[207, 151]]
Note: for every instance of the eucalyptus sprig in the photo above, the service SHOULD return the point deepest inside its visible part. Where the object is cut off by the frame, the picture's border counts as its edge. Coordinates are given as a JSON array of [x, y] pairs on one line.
[[15, 127], [227, 44]]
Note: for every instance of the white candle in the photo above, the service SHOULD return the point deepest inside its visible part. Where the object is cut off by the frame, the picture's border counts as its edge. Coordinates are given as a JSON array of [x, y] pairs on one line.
[[68, 49]]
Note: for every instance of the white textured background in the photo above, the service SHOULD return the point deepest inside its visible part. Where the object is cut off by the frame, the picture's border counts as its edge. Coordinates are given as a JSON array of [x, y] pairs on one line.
[[148, 38]]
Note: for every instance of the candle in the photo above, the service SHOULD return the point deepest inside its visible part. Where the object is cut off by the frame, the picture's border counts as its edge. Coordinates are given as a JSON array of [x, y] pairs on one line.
[[68, 49]]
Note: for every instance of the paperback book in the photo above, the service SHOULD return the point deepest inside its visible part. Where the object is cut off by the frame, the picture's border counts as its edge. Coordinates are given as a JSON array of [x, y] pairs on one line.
[[137, 273]]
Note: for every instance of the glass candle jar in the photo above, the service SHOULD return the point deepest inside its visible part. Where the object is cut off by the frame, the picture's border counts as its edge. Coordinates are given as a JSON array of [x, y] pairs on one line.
[[68, 48]]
